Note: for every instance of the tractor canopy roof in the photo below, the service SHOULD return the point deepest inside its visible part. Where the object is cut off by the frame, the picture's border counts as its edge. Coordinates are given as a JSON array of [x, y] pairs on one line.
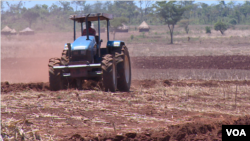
[[92, 17]]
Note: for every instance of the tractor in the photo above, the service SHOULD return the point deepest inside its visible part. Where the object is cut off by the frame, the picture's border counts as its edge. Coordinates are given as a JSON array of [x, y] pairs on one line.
[[84, 59]]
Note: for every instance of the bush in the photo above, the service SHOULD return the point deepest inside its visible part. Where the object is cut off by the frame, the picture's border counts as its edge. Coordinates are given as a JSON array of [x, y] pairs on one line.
[[222, 27], [233, 22], [208, 29]]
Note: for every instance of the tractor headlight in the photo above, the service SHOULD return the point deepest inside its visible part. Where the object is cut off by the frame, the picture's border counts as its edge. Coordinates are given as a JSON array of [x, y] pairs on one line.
[[66, 47]]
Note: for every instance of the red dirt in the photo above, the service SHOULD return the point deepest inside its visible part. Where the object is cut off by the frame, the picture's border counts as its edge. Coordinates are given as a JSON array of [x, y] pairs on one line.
[[144, 83], [191, 62], [6, 87], [198, 130], [184, 83], [97, 85], [41, 86]]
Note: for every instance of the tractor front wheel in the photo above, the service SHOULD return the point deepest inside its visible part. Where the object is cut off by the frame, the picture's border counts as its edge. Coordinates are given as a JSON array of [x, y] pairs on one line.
[[55, 81], [109, 73], [65, 58]]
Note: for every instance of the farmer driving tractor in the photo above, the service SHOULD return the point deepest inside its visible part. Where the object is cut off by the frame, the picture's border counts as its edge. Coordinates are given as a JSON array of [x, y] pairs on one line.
[[84, 59], [91, 30]]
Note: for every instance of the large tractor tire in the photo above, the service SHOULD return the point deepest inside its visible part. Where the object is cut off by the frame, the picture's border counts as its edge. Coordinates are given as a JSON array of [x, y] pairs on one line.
[[123, 69], [55, 81], [65, 58], [109, 73]]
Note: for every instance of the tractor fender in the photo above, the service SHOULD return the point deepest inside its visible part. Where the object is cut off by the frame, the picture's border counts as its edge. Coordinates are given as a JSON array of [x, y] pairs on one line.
[[115, 44]]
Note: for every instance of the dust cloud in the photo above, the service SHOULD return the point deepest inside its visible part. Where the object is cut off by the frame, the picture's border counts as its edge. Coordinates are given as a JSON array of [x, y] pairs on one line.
[[25, 58]]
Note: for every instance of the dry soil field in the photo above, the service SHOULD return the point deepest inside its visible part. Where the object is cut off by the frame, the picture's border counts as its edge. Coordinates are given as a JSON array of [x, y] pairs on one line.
[[184, 91]]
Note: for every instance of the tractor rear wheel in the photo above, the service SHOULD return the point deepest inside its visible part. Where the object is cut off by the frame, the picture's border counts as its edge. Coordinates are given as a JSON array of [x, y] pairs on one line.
[[109, 73], [123, 69], [55, 81]]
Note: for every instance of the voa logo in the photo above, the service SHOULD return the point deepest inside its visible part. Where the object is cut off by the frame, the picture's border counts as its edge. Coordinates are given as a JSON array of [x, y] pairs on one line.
[[236, 132]]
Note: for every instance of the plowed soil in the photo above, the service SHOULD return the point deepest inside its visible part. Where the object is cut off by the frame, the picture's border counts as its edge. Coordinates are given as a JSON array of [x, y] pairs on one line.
[[192, 62], [197, 130], [94, 85], [153, 110]]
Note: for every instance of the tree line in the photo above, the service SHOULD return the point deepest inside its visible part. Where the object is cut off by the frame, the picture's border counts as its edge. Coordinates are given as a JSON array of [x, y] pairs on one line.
[[153, 12], [199, 13]]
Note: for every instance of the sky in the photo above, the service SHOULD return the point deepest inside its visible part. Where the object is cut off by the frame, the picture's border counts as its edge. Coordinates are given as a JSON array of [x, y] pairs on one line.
[[29, 4]]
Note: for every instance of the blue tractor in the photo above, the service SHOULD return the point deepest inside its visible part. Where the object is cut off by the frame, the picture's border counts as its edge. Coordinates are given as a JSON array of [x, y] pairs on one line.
[[85, 59]]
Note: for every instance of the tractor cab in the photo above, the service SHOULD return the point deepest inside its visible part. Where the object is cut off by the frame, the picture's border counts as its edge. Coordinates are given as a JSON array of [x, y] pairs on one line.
[[89, 42]]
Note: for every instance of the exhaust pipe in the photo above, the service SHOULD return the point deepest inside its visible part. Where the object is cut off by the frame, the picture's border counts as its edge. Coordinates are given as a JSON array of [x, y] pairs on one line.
[[87, 28], [69, 50]]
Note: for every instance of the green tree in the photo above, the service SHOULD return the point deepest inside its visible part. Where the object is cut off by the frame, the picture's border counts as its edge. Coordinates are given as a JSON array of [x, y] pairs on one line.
[[15, 8], [1, 5], [13, 14], [30, 15], [237, 15], [42, 10], [124, 9], [171, 13], [78, 4], [97, 7], [1, 9], [87, 8], [189, 6], [116, 22], [222, 27], [54, 9], [108, 7], [247, 3], [148, 7], [184, 23], [233, 22], [205, 12], [222, 3], [66, 6], [245, 9]]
